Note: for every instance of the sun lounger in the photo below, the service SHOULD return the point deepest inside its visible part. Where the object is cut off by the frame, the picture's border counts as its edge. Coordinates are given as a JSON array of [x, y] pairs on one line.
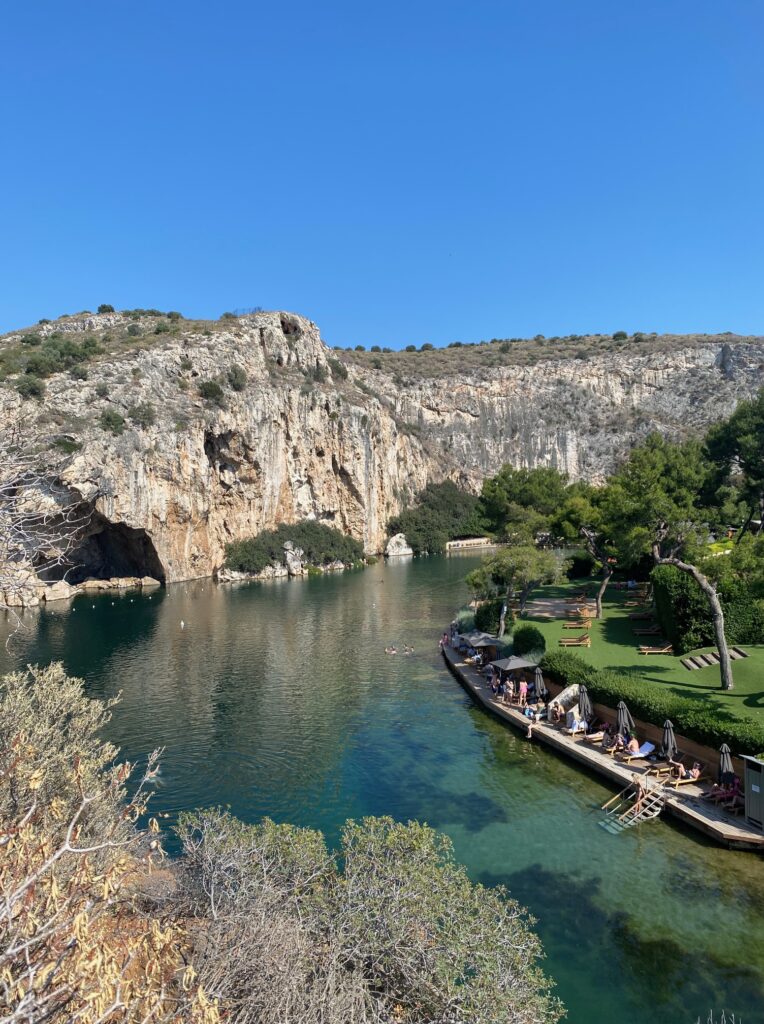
[[580, 624], [639, 755], [576, 641], [640, 616], [647, 630], [668, 649], [687, 780]]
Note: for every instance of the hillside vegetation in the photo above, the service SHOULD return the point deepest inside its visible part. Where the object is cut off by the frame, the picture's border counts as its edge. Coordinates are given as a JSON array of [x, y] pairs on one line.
[[428, 361], [73, 342]]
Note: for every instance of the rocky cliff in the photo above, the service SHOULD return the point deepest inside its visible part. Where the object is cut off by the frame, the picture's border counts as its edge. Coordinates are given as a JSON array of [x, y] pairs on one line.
[[294, 430]]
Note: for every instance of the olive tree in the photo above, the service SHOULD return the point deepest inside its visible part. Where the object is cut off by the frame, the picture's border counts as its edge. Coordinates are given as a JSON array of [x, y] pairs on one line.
[[75, 941], [40, 518], [510, 571], [389, 930]]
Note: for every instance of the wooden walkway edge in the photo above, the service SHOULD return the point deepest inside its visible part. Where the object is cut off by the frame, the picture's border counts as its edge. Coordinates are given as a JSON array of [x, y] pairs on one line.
[[685, 805]]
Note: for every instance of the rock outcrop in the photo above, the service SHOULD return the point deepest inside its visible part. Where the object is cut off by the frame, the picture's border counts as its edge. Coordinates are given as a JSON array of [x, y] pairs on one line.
[[398, 546], [297, 432]]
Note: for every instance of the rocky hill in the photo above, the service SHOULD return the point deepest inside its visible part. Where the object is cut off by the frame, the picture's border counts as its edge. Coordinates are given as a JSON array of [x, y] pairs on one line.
[[183, 435]]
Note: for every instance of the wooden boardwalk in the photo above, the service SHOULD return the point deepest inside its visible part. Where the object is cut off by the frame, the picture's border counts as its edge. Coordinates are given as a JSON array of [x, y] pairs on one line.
[[684, 804]]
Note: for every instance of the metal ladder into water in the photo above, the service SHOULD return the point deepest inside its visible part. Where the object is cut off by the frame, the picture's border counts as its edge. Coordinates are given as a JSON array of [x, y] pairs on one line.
[[620, 811]]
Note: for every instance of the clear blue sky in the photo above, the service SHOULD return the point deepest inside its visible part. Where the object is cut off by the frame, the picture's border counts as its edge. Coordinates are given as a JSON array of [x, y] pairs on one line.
[[398, 172]]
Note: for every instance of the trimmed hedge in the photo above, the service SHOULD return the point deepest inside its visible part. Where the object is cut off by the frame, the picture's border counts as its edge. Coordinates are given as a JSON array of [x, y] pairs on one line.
[[654, 703], [527, 639], [684, 615], [487, 615]]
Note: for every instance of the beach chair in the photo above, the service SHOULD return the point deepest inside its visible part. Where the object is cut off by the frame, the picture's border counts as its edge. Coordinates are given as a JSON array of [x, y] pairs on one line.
[[686, 781], [640, 616], [647, 630], [578, 624], [584, 640], [639, 755], [668, 649]]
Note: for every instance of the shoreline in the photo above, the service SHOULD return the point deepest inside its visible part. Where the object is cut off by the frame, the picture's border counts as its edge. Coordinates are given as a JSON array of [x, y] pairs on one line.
[[685, 805]]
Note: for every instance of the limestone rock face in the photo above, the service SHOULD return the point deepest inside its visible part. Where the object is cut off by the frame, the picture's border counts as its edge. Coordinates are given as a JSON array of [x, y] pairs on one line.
[[398, 545], [300, 435], [293, 559]]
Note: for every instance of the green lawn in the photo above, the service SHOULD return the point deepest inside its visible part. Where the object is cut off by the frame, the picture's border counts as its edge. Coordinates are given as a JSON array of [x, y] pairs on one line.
[[614, 646]]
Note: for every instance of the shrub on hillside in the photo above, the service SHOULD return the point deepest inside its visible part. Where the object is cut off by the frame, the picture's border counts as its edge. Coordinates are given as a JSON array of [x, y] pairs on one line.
[[338, 368], [321, 545], [105, 308], [527, 639], [143, 414], [654, 703], [31, 339], [30, 386], [134, 330], [212, 392], [237, 377], [112, 421]]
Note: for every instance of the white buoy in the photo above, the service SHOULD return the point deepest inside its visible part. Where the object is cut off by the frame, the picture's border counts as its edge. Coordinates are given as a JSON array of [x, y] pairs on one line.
[[182, 624]]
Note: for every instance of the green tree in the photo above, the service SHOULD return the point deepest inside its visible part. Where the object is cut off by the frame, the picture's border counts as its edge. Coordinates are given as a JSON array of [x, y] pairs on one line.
[[736, 446], [655, 501], [585, 517], [442, 512], [517, 504], [513, 571]]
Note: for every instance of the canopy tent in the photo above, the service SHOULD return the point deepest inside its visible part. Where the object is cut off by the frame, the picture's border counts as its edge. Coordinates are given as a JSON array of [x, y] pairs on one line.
[[512, 664]]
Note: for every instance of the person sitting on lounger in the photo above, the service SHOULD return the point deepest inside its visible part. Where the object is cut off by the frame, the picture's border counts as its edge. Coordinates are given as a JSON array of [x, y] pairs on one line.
[[687, 773], [722, 792], [609, 738], [631, 746]]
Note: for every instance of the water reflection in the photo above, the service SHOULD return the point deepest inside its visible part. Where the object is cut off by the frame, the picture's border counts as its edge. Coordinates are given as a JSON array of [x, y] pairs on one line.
[[279, 700]]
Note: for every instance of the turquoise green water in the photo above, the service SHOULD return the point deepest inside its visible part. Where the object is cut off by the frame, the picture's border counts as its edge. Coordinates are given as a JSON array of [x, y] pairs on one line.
[[278, 699]]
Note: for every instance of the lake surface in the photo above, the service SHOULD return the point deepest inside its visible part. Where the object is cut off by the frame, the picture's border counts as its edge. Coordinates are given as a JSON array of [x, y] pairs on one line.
[[277, 699]]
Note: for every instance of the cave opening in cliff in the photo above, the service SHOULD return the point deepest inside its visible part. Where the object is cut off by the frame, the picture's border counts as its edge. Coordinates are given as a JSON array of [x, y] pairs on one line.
[[110, 550]]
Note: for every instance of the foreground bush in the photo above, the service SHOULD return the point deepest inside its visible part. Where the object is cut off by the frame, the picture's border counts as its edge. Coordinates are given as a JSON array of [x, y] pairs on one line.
[[321, 544], [654, 703], [75, 942], [390, 931]]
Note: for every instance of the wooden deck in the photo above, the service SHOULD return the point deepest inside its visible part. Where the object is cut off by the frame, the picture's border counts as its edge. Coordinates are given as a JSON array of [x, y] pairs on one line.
[[684, 804]]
